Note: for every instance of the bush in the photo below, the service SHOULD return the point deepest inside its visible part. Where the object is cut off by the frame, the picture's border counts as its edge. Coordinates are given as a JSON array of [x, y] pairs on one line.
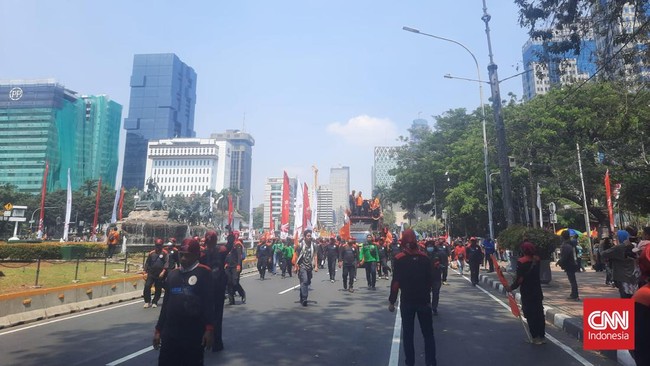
[[28, 251], [545, 241]]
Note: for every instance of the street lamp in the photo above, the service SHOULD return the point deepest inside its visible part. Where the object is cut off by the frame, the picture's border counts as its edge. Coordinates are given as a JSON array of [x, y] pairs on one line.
[[502, 146], [488, 184]]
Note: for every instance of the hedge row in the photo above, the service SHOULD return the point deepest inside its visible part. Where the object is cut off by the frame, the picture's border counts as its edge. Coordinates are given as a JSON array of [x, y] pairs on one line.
[[33, 251]]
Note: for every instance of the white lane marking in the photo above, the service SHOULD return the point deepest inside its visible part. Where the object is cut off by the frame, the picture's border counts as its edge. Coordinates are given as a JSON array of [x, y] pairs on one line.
[[397, 330], [85, 313], [554, 340], [287, 290], [132, 355]]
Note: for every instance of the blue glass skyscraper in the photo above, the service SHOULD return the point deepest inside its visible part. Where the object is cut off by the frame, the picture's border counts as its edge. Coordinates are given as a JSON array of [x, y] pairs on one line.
[[163, 96]]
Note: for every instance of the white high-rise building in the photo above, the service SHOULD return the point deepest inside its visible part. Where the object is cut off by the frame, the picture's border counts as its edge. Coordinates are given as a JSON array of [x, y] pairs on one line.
[[188, 166], [340, 187], [325, 212]]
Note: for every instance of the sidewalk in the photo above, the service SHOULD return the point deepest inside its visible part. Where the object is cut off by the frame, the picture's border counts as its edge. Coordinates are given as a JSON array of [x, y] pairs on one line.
[[563, 313]]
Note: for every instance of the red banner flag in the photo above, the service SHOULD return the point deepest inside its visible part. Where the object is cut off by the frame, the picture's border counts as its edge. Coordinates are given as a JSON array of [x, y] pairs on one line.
[[344, 232], [96, 219], [286, 197], [306, 208], [230, 210], [43, 192], [514, 308], [121, 204], [610, 207]]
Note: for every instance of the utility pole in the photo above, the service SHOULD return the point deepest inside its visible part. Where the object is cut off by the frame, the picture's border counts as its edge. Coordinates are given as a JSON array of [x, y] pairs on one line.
[[502, 146]]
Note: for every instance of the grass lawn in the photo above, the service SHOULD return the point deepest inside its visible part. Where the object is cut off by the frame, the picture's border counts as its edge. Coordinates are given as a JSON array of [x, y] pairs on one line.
[[22, 276]]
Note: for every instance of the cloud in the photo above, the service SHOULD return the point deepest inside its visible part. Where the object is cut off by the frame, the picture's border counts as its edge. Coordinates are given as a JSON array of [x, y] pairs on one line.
[[365, 131]]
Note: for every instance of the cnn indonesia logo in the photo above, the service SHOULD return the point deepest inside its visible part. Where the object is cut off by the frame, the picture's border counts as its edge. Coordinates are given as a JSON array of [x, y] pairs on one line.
[[608, 324]]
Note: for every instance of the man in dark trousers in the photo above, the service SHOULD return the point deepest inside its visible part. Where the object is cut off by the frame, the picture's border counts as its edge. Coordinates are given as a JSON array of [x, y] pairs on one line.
[[186, 321], [264, 253], [332, 254], [569, 264], [348, 260], [155, 268], [305, 262], [413, 275], [444, 250], [215, 259], [488, 245], [474, 258], [233, 265], [435, 253]]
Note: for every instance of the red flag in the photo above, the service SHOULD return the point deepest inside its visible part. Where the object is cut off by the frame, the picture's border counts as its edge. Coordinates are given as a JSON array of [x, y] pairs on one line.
[[514, 308], [306, 209], [96, 219], [230, 210], [500, 275], [43, 192], [610, 207], [121, 203], [286, 196]]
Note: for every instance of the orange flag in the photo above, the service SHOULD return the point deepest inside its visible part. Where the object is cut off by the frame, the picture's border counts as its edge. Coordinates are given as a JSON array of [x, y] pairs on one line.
[[344, 232]]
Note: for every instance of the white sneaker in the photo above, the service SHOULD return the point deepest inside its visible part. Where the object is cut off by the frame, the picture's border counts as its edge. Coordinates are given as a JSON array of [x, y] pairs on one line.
[[154, 305], [147, 305]]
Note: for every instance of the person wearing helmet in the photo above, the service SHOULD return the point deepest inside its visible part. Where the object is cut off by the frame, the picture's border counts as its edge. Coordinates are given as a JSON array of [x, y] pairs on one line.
[[155, 269]]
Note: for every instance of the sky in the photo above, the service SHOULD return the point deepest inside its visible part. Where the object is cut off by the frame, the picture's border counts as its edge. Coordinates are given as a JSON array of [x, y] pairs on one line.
[[316, 83]]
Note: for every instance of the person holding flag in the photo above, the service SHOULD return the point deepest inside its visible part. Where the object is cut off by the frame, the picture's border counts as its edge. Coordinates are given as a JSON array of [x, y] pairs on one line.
[[530, 288]]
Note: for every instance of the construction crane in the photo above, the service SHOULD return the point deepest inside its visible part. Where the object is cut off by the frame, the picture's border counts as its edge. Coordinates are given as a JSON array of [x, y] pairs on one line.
[[315, 169]]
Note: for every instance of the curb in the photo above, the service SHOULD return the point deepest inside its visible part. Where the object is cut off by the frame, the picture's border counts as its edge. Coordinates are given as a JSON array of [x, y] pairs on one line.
[[570, 325], [46, 313]]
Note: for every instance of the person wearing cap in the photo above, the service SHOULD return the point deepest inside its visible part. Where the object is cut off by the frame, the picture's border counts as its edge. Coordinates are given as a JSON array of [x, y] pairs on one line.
[[332, 255], [214, 257], [530, 289], [642, 306], [460, 255], [383, 269], [287, 254], [186, 322], [412, 280], [623, 261], [233, 266], [435, 255], [348, 260], [277, 255], [368, 258], [172, 253], [474, 258], [304, 260], [263, 253], [155, 269]]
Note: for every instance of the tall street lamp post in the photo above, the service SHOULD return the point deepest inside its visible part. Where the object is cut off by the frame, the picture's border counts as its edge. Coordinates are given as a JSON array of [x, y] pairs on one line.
[[488, 184], [502, 146]]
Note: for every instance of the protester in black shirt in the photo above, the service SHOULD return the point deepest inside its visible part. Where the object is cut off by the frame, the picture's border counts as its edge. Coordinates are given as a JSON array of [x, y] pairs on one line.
[[186, 321], [413, 276]]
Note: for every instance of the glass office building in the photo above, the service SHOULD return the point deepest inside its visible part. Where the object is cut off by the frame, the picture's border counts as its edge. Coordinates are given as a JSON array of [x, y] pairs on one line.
[[41, 120], [163, 96]]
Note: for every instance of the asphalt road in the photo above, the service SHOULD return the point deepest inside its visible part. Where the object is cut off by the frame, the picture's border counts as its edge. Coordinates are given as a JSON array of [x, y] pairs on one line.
[[272, 328]]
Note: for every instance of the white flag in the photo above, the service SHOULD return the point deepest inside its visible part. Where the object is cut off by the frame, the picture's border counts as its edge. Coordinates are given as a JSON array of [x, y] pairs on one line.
[[297, 211], [68, 209], [116, 202]]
